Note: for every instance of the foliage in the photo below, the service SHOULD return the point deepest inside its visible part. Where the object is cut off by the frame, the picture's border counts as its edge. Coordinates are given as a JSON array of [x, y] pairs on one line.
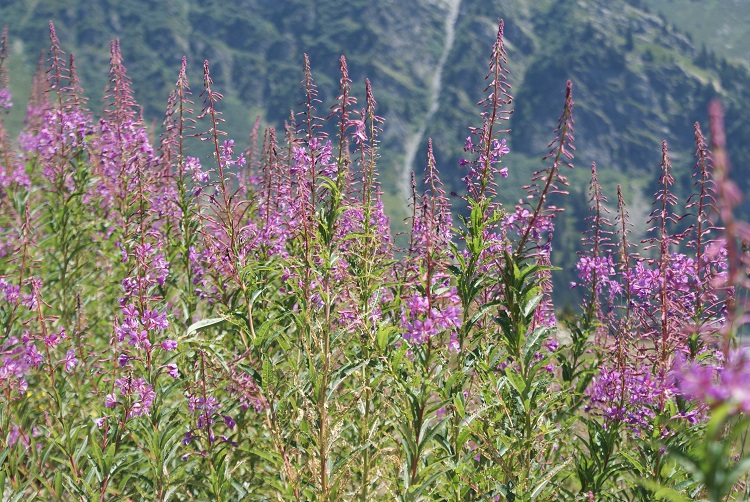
[[240, 325]]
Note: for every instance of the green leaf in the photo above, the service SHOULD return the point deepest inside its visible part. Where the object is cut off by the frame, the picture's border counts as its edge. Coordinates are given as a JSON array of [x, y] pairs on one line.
[[398, 356], [195, 327], [633, 461], [427, 433], [661, 492], [463, 435], [534, 342], [532, 301], [340, 375], [459, 405], [58, 484], [410, 446], [548, 477], [384, 336], [516, 381], [269, 378], [429, 482]]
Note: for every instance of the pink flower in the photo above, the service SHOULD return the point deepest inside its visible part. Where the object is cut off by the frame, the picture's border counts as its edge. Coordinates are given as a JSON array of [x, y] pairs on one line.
[[110, 401], [169, 345], [70, 361], [229, 421], [173, 371]]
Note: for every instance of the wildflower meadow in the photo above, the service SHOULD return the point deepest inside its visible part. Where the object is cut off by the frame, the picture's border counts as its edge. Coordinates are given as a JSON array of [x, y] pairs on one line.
[[239, 324]]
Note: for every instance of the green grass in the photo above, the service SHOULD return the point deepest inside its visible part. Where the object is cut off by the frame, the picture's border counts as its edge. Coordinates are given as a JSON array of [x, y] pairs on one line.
[[722, 25]]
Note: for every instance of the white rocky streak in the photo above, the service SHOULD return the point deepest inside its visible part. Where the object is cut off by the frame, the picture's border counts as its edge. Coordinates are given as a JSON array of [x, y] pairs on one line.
[[413, 142]]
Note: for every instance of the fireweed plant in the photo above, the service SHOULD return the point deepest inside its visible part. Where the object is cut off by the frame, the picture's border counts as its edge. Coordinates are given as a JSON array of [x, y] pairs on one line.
[[241, 326]]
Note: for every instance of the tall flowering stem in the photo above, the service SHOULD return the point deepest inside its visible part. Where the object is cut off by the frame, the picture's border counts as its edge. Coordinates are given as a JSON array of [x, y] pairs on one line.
[[596, 268], [5, 100], [369, 268], [702, 202], [708, 264], [662, 216], [728, 196], [61, 147], [496, 109], [623, 230], [309, 127], [533, 219], [222, 229], [342, 110], [430, 319], [548, 181], [595, 273], [483, 237], [187, 179], [224, 193]]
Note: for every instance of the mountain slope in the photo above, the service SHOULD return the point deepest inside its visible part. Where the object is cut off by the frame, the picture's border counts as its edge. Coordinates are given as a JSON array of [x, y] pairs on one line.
[[636, 80], [722, 26]]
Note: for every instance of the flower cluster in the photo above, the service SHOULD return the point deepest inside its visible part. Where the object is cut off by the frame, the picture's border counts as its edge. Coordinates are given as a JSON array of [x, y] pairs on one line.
[[136, 395], [521, 219], [123, 152], [682, 281], [13, 174], [206, 410], [226, 155], [317, 155], [17, 434], [6, 102], [498, 151], [199, 176], [482, 170], [600, 271], [136, 329], [245, 389], [17, 358], [60, 131], [716, 382], [628, 396], [424, 319], [266, 239], [152, 269]]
